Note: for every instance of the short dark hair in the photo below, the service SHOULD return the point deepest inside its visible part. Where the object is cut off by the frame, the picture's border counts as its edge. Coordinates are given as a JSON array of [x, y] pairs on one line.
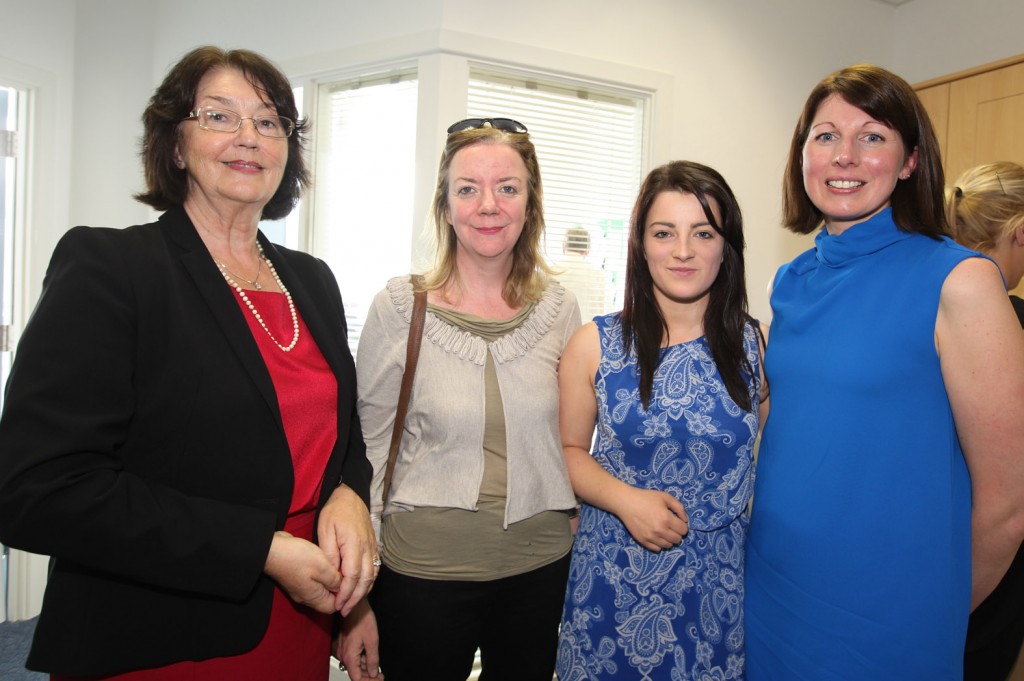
[[917, 202], [175, 98], [643, 324]]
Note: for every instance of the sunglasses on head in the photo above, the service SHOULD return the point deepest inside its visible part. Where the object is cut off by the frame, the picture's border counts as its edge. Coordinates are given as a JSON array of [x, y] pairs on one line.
[[503, 124]]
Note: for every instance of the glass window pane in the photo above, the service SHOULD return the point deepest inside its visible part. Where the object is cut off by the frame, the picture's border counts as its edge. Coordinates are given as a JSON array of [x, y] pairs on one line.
[[365, 170], [286, 230]]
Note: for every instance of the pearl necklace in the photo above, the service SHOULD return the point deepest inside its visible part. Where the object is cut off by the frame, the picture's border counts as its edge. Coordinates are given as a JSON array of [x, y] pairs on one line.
[[252, 308]]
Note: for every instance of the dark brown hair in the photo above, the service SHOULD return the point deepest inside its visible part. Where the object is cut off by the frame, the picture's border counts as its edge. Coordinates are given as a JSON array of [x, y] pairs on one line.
[[917, 202], [643, 324], [166, 184]]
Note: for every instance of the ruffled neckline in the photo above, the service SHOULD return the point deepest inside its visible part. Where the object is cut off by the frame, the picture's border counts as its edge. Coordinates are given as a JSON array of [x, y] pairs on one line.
[[874, 234], [474, 348]]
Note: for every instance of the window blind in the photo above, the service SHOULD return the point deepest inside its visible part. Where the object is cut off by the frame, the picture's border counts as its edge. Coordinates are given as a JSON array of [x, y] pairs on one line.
[[590, 146]]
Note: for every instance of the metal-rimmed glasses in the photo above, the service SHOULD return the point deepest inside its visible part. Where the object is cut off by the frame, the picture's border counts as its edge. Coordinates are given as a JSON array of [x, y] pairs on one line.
[[223, 120], [503, 124]]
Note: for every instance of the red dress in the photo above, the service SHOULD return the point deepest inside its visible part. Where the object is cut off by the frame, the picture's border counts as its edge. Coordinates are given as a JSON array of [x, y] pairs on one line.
[[297, 643]]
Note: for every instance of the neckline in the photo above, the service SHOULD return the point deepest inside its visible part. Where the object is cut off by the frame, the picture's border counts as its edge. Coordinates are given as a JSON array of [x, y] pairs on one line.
[[865, 238], [516, 343]]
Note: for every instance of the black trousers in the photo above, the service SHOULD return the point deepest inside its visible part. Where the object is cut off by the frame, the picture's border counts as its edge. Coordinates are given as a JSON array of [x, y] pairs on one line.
[[431, 629]]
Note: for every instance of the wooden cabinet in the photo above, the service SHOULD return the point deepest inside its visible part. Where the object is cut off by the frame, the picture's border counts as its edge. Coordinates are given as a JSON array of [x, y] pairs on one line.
[[978, 115]]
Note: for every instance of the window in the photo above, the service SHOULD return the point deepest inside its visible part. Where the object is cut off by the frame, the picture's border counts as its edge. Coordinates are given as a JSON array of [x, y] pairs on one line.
[[589, 144], [365, 148], [375, 158], [285, 231], [12, 167]]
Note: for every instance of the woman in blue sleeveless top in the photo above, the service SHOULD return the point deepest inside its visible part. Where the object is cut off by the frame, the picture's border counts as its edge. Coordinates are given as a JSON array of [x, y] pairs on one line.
[[674, 385], [891, 461]]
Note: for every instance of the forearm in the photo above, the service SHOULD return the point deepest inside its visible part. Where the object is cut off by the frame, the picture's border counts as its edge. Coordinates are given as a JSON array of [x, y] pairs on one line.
[[591, 482], [995, 538], [357, 471]]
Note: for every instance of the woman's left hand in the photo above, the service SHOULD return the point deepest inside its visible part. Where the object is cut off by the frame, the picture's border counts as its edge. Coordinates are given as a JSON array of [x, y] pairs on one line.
[[346, 536], [302, 570], [357, 644]]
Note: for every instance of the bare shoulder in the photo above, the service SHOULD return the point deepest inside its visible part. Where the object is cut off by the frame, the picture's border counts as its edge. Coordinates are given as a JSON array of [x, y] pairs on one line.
[[975, 318], [582, 355], [970, 279], [584, 344]]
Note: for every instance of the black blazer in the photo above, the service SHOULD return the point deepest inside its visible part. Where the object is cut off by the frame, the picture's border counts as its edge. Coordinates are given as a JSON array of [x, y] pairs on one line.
[[141, 446]]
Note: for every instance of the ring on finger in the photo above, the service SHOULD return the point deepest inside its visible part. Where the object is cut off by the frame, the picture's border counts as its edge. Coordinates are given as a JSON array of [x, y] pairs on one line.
[[376, 561]]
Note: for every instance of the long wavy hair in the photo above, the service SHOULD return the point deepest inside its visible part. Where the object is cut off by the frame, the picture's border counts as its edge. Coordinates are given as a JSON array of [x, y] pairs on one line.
[[530, 271], [166, 183], [643, 323]]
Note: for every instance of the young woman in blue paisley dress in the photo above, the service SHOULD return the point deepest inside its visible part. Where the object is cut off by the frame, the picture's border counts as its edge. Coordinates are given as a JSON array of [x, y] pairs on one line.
[[674, 386]]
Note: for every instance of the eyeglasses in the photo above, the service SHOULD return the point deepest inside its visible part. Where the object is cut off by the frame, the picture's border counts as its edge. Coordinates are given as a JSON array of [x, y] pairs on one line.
[[503, 124], [222, 120]]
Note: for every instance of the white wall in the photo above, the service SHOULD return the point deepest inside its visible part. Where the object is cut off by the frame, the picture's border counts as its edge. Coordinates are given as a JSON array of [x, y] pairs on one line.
[[37, 43], [737, 74], [937, 37]]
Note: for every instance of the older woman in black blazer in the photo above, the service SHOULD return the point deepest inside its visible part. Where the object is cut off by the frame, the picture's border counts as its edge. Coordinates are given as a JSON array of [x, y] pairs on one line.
[[181, 407]]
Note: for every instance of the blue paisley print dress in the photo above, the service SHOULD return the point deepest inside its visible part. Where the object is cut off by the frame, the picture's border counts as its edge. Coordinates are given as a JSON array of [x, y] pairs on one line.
[[676, 615]]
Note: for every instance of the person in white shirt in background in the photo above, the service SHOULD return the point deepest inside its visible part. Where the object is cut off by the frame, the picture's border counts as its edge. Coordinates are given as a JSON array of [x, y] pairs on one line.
[[581, 276]]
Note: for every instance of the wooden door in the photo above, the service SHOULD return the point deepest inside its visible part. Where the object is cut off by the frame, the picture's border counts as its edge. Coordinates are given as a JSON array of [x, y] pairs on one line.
[[978, 114], [986, 119]]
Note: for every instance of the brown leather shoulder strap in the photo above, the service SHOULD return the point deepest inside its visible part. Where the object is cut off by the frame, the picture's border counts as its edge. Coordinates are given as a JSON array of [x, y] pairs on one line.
[[412, 354]]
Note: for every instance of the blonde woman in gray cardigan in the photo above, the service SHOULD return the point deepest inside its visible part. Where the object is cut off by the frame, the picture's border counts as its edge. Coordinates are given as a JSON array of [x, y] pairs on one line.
[[475, 535]]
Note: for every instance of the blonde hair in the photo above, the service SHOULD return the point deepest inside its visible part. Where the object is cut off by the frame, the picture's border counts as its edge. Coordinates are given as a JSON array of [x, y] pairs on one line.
[[986, 204], [529, 275]]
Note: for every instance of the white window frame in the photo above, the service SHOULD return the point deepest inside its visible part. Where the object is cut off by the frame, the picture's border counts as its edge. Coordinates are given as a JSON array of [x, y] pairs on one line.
[[443, 59], [37, 207]]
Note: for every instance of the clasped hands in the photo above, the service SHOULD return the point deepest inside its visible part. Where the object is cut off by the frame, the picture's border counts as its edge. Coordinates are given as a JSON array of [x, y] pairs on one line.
[[337, 574]]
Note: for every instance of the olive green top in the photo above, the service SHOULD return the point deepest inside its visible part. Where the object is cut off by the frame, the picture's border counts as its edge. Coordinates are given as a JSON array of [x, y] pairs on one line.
[[460, 544]]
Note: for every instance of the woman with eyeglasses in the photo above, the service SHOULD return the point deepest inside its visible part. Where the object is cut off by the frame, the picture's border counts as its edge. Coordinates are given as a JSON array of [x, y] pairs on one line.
[[675, 387], [475, 532], [181, 407], [986, 213]]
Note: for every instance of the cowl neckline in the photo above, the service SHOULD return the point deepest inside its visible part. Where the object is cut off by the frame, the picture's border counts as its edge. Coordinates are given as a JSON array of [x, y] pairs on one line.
[[865, 238], [516, 343]]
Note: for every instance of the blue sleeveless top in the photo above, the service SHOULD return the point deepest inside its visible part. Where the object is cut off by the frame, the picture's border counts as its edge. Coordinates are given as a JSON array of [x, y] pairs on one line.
[[859, 554]]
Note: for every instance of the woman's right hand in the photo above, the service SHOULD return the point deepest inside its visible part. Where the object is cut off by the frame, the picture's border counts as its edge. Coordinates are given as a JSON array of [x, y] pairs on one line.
[[302, 569], [656, 519]]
